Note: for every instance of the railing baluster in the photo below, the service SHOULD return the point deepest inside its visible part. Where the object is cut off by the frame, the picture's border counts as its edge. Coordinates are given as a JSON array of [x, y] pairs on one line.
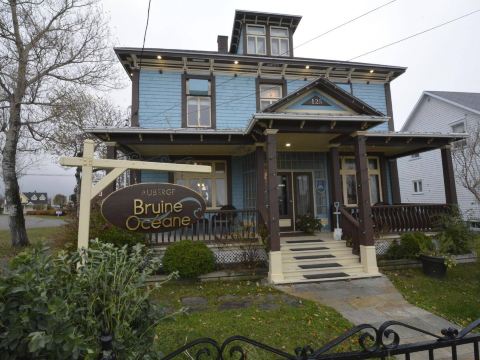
[[475, 350], [454, 352]]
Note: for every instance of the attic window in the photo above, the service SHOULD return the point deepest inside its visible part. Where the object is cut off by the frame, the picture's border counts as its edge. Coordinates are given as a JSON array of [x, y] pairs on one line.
[[256, 40], [279, 41]]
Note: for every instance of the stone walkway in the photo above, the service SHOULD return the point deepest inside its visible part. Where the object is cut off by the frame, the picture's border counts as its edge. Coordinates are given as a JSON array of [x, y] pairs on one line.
[[373, 301]]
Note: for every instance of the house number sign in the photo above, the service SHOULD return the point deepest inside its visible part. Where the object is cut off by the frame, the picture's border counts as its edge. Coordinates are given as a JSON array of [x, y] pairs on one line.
[[153, 207]]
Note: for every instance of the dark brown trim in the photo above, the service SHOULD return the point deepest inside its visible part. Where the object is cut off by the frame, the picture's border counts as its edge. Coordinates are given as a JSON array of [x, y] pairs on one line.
[[244, 29], [272, 181], [335, 178], [384, 178], [449, 177], [213, 98], [260, 171], [363, 193], [268, 45], [388, 100], [134, 121], [261, 81], [229, 181], [290, 41], [394, 182], [111, 153], [135, 177]]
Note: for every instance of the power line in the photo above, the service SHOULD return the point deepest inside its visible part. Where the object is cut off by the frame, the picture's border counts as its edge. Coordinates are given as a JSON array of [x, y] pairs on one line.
[[145, 33], [296, 47], [416, 34]]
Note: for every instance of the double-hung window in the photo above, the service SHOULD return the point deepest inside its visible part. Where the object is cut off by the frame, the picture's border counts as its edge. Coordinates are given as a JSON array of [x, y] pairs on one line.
[[349, 180], [199, 103], [417, 187], [268, 94], [459, 128], [256, 40], [279, 41]]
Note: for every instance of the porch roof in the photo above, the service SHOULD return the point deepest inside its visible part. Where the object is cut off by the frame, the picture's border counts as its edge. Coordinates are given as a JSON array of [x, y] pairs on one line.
[[399, 144]]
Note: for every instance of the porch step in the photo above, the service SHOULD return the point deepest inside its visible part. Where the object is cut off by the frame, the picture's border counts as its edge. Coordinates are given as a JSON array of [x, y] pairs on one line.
[[312, 258], [302, 279]]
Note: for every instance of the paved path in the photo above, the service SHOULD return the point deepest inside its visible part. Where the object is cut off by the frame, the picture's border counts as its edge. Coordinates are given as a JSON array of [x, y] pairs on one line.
[[374, 301], [34, 222]]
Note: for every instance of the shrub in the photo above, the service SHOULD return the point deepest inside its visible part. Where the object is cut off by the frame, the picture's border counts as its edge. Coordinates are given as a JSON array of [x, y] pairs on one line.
[[454, 235], [309, 224], [55, 307], [410, 245], [190, 259]]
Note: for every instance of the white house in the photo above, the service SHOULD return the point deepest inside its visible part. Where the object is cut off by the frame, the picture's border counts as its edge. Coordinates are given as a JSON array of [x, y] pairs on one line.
[[420, 175]]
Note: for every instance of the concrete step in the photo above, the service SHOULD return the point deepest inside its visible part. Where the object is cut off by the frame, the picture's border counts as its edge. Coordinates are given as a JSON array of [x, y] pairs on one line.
[[314, 245], [319, 251], [326, 270], [317, 259], [350, 276], [299, 263], [320, 236]]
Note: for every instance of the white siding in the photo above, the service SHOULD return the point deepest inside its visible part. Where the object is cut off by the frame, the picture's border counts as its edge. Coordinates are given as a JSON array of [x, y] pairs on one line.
[[433, 115]]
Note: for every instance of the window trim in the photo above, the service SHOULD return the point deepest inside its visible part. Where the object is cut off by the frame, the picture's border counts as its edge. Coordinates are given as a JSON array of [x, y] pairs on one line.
[[211, 176], [213, 113], [280, 37], [265, 81], [377, 172], [266, 36], [420, 181], [459, 144]]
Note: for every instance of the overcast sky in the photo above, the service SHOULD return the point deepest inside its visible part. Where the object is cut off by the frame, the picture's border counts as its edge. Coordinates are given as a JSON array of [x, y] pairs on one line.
[[443, 59]]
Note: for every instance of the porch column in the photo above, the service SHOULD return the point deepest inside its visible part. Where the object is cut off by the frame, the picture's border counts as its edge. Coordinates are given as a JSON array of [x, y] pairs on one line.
[[335, 180], [111, 153], [275, 273], [134, 122], [367, 244], [449, 176], [260, 170]]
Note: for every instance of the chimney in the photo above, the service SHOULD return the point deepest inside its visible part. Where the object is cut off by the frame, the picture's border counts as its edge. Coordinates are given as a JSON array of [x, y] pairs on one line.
[[222, 41]]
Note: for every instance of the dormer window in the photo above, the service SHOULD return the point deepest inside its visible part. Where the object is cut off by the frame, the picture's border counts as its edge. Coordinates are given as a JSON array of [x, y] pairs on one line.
[[199, 101], [279, 41], [256, 40]]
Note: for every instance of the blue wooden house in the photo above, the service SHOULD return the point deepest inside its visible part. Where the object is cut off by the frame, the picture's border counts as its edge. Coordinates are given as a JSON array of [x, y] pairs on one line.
[[287, 138]]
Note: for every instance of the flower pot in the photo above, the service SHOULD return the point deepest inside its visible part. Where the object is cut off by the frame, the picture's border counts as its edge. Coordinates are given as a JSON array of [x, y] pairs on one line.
[[434, 266]]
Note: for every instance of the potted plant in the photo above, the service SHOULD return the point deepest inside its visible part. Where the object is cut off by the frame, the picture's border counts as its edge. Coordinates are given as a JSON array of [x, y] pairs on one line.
[[435, 263], [308, 224]]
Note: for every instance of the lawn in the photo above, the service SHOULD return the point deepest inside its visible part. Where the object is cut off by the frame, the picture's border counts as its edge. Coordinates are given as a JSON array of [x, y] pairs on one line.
[[249, 309], [456, 298], [45, 235]]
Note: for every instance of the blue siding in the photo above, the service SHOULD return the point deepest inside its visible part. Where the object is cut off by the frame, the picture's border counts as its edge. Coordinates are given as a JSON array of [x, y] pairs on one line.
[[237, 182], [236, 101], [160, 100], [154, 176], [373, 95], [294, 85], [345, 87]]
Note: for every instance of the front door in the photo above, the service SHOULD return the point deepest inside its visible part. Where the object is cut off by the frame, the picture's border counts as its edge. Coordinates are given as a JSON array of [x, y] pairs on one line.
[[295, 197]]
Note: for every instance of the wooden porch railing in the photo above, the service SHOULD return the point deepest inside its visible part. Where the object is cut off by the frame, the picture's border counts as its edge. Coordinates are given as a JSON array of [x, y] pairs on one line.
[[216, 226], [350, 228], [407, 217]]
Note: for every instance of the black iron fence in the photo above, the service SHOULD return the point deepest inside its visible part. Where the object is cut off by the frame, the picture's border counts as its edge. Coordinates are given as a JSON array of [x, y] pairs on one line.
[[373, 343]]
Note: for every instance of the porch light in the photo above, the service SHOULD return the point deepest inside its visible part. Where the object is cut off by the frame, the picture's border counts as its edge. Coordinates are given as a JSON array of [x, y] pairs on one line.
[[288, 145], [159, 57], [371, 71], [307, 67], [236, 62]]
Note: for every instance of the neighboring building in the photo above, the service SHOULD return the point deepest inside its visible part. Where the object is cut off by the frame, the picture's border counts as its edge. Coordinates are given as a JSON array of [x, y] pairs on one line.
[[421, 178], [34, 201], [286, 137]]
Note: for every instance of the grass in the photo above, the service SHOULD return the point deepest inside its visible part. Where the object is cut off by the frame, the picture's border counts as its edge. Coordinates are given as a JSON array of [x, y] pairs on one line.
[[285, 327], [456, 298], [45, 235]]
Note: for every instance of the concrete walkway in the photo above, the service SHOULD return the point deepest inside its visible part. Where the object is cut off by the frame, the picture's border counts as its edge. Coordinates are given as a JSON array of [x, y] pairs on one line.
[[374, 301], [34, 222]]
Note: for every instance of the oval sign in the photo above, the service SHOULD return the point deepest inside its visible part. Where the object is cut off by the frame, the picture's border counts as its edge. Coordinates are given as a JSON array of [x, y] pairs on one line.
[[153, 207]]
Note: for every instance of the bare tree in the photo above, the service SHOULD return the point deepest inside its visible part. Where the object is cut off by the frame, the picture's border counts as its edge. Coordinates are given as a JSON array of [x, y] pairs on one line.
[[466, 156], [46, 48]]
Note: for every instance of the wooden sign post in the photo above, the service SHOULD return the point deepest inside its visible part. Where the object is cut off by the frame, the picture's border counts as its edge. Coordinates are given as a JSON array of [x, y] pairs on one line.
[[88, 192]]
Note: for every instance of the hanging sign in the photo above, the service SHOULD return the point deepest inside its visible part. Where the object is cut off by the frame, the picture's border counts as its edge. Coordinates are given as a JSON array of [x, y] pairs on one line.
[[153, 207]]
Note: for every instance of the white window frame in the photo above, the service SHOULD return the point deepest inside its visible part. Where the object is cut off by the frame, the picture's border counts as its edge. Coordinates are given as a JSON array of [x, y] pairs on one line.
[[256, 37], [460, 144], [279, 38], [344, 172], [415, 156], [198, 99], [268, 99], [417, 185], [213, 176]]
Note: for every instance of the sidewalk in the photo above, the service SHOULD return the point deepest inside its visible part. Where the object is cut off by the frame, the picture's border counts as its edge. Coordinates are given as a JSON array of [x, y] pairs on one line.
[[374, 301]]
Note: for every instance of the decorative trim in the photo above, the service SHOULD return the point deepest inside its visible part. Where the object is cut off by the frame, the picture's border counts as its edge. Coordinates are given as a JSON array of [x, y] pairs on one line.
[[213, 98]]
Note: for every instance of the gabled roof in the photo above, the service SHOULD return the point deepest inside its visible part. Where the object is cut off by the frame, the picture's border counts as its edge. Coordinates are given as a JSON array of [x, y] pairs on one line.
[[34, 197], [464, 100], [332, 90]]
